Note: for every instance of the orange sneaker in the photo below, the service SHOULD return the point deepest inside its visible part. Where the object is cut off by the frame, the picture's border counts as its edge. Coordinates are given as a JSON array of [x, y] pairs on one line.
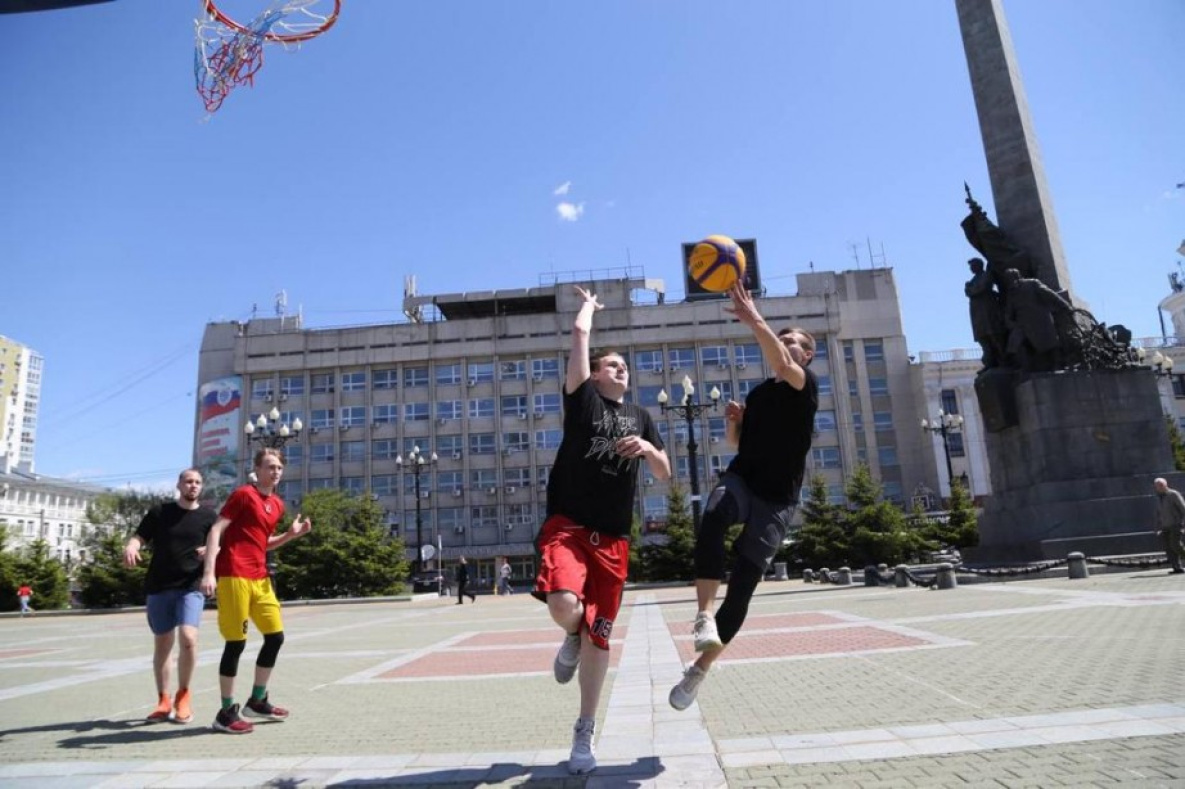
[[182, 712], [163, 708]]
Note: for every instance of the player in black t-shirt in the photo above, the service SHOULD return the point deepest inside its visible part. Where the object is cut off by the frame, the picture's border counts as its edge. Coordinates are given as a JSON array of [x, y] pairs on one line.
[[584, 543], [177, 532], [772, 433]]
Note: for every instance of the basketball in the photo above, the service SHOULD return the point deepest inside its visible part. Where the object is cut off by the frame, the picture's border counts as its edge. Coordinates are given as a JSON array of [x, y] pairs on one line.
[[716, 263]]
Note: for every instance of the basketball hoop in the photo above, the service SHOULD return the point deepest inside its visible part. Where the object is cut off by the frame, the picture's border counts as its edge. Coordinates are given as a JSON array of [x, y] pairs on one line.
[[228, 54]]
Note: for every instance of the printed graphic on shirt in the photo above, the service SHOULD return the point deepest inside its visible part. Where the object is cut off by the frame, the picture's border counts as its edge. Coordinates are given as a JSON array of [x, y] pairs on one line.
[[603, 447]]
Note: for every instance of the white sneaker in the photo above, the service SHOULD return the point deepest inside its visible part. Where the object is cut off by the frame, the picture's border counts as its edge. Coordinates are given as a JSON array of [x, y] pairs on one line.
[[683, 694], [705, 633], [567, 659], [582, 760]]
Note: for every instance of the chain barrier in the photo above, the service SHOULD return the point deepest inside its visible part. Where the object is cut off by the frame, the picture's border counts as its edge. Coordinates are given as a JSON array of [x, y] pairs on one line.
[[826, 576]]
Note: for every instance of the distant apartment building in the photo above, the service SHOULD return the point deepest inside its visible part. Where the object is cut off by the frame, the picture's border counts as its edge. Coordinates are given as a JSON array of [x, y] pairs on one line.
[[476, 378], [20, 396], [35, 507]]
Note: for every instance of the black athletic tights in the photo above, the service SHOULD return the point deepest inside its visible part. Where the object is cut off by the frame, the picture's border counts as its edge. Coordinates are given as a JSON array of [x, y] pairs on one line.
[[710, 559]]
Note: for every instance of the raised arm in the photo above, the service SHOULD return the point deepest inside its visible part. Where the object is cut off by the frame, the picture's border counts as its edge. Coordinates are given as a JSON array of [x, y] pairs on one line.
[[578, 369], [777, 355]]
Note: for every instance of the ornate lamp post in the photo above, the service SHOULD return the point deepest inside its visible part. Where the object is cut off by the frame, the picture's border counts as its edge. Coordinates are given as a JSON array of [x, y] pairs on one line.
[[416, 462], [690, 409], [268, 431], [944, 425]]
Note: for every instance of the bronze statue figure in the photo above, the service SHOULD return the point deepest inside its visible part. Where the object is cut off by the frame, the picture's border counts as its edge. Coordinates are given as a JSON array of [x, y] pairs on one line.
[[987, 315]]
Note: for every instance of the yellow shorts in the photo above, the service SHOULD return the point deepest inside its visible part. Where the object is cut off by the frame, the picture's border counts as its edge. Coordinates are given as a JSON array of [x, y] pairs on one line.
[[240, 599]]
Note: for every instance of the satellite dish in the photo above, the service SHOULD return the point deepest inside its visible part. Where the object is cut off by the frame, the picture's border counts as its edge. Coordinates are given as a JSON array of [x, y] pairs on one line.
[[427, 552]]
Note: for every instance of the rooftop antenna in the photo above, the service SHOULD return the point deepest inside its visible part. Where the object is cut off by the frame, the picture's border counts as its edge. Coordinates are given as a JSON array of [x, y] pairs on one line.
[[872, 259], [281, 303], [414, 312], [855, 254]]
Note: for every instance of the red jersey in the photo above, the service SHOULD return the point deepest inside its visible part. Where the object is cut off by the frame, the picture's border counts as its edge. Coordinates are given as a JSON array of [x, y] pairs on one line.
[[24, 591], [253, 518]]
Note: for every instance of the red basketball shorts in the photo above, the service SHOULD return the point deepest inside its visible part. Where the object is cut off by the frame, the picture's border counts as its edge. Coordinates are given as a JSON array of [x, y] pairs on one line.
[[589, 564]]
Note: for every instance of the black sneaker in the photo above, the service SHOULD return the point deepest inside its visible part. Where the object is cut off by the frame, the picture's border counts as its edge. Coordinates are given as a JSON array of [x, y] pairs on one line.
[[228, 721], [262, 708]]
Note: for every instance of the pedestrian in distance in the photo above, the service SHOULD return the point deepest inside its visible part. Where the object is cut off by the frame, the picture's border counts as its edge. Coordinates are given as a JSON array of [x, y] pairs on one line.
[[760, 489], [24, 593], [584, 541], [504, 574], [236, 571], [1170, 523], [463, 582], [177, 532]]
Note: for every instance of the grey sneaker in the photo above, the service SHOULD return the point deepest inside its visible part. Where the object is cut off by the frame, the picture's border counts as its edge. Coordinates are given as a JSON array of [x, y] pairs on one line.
[[582, 760], [683, 694], [705, 633], [567, 659]]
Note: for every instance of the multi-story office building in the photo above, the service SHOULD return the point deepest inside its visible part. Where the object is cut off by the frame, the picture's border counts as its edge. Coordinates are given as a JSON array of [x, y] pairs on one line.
[[476, 378], [954, 441], [20, 395], [34, 507]]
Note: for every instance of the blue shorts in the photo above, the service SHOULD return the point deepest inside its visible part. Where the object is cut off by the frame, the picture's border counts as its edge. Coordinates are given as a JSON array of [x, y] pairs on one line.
[[174, 607]]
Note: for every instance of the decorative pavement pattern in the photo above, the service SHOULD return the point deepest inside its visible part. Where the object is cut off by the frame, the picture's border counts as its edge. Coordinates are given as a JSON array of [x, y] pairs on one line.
[[1016, 684]]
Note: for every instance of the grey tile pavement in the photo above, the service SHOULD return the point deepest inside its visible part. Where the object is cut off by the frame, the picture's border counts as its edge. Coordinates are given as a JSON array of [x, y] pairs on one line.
[[1025, 683]]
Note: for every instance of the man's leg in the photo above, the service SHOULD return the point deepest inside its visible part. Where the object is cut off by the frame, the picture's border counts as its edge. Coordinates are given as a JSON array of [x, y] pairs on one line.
[[594, 665], [265, 613], [234, 602], [162, 651], [721, 513], [568, 612]]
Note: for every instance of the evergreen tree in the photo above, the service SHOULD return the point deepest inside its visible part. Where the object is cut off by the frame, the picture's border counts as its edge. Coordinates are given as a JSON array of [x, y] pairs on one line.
[[962, 525], [877, 527], [673, 557], [104, 581], [348, 553], [1176, 443], [823, 539], [8, 576], [38, 568], [637, 563]]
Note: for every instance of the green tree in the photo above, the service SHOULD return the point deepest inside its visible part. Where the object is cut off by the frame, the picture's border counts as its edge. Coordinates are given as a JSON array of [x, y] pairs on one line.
[[1176, 443], [637, 563], [348, 553], [878, 528], [8, 577], [961, 527], [104, 582], [38, 568], [672, 557], [823, 539]]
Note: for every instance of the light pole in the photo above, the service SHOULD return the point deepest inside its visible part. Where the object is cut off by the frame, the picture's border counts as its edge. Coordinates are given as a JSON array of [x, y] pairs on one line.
[[944, 425], [690, 409], [416, 461], [269, 431]]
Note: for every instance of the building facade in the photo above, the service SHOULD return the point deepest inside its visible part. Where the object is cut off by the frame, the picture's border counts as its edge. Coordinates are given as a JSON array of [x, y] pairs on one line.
[[20, 397], [36, 507], [476, 378]]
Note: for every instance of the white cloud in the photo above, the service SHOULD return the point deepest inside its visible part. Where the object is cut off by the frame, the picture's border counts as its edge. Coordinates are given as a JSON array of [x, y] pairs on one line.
[[563, 189], [569, 212]]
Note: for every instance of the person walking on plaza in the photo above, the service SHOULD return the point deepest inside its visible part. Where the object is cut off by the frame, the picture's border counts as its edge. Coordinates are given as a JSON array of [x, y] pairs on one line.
[[1170, 522], [760, 488], [236, 570], [177, 531], [463, 582], [504, 578], [23, 594], [584, 541]]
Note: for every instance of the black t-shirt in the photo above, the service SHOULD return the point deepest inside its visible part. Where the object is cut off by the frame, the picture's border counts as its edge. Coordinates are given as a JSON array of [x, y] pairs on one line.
[[590, 483], [175, 534], [775, 437]]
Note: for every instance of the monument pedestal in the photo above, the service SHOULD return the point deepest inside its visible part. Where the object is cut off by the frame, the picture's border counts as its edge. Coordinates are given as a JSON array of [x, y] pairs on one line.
[[1072, 457]]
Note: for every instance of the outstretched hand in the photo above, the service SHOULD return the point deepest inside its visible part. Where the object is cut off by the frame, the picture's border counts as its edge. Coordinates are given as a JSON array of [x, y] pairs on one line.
[[300, 527], [743, 308], [589, 298]]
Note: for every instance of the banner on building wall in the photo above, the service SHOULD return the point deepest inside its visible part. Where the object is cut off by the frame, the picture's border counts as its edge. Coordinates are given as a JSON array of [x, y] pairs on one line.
[[219, 402]]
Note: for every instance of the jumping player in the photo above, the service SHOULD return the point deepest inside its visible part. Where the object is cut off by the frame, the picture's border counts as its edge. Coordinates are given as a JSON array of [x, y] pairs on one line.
[[236, 552], [772, 433], [584, 543]]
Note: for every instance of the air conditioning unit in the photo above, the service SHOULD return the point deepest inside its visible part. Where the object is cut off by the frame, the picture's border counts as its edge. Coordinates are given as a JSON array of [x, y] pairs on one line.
[[426, 494], [511, 489], [538, 379], [509, 527], [523, 416], [268, 397], [374, 497], [344, 428], [741, 365], [441, 421], [283, 398], [509, 451], [456, 456], [722, 366], [491, 491], [459, 529], [539, 412], [648, 482], [473, 382], [674, 368], [715, 439]]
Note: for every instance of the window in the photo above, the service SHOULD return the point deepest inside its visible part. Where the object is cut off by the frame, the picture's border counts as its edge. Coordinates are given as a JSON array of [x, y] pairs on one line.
[[422, 445], [481, 372], [383, 485], [291, 384], [289, 417], [321, 418], [825, 457], [386, 414], [836, 494], [649, 361], [824, 382], [482, 444], [882, 421], [719, 463], [261, 390], [542, 474], [747, 354], [955, 442], [857, 421], [891, 491], [887, 456], [655, 507], [725, 388], [548, 403], [746, 386], [353, 451], [681, 467], [714, 355], [1178, 385], [545, 368], [353, 416], [874, 351], [518, 477], [486, 515], [514, 405], [289, 491], [415, 377], [383, 449], [481, 407], [321, 453], [648, 395], [520, 513], [322, 383], [681, 359], [878, 386], [385, 379], [415, 412], [512, 371], [320, 484], [950, 401], [353, 485], [449, 409], [483, 479], [448, 446], [849, 351], [447, 374], [853, 388], [716, 429], [425, 477], [518, 441], [548, 439], [293, 454], [449, 481], [821, 348], [354, 381], [824, 421], [449, 519]]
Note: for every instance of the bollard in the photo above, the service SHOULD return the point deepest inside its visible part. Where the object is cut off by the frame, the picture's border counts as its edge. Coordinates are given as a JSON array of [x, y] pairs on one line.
[[871, 577], [844, 577], [946, 576], [780, 571], [824, 576], [1078, 565], [808, 576], [902, 573]]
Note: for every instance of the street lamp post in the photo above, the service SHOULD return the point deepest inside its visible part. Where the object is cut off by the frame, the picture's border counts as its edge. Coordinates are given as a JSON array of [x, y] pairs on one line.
[[690, 409], [416, 462], [944, 425], [269, 432]]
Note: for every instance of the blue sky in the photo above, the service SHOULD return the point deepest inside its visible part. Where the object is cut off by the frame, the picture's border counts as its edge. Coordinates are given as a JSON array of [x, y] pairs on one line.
[[434, 138]]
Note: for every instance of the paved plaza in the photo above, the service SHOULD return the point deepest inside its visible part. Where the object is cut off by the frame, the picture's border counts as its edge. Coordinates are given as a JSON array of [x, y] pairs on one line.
[[1030, 683]]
